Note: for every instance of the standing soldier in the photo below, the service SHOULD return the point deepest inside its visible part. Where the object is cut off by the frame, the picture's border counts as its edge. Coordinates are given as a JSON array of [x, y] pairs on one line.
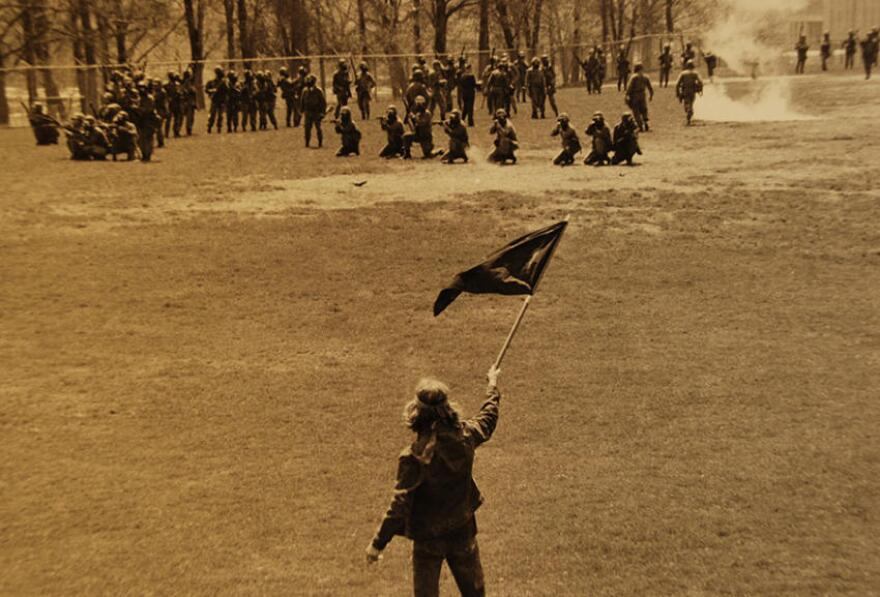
[[521, 68], [266, 98], [147, 121], [665, 65], [364, 84], [801, 48], [622, 68], [188, 101], [217, 90], [313, 106], [600, 134], [467, 93], [688, 54], [248, 101], [850, 47], [349, 134], [341, 86], [451, 77], [495, 85], [626, 140], [601, 72], [825, 50], [233, 102], [285, 84], [536, 83], [869, 52], [550, 82], [687, 87], [505, 140], [415, 90], [172, 97], [437, 85], [420, 120], [711, 61], [638, 92], [458, 139], [299, 83], [394, 131], [161, 98], [44, 126], [571, 145]]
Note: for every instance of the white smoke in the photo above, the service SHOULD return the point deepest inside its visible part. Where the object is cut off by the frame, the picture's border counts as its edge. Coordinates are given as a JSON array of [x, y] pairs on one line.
[[749, 38]]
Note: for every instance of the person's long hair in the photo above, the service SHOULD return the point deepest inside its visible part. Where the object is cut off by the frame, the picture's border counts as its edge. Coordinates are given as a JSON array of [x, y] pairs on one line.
[[430, 407]]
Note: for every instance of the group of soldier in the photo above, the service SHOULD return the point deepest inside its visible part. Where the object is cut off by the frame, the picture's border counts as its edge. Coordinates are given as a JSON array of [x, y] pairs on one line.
[[869, 46]]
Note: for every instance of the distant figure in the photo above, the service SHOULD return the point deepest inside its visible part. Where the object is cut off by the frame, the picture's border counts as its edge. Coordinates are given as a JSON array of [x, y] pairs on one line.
[[688, 54], [626, 140], [870, 46], [537, 86], [571, 145], [711, 61], [435, 496], [421, 121], [850, 46], [801, 48], [467, 93], [364, 86], [600, 134], [550, 80], [341, 86], [313, 105], [687, 87], [622, 68], [825, 50], [638, 92], [44, 126], [666, 60]]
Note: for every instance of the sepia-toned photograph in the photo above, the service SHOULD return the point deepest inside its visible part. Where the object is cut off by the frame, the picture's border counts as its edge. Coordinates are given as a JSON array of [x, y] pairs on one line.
[[378, 298]]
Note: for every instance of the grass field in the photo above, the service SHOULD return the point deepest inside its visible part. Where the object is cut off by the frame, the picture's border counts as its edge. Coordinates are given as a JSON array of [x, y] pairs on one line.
[[204, 360]]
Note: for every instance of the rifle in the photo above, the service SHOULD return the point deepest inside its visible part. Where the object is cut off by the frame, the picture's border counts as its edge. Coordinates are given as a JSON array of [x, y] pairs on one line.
[[92, 108], [27, 110]]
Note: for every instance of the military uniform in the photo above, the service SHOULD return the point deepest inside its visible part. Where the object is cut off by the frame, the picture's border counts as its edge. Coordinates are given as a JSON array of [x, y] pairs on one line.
[[571, 144], [285, 84], [801, 48], [666, 60], [349, 134], [550, 83], [850, 47], [364, 85], [601, 143], [233, 103], [394, 132], [467, 94], [626, 141], [217, 90], [437, 84], [505, 140], [341, 87], [537, 85], [421, 121], [44, 126], [458, 139], [622, 69], [248, 98], [314, 107], [638, 91], [188, 102], [687, 87], [825, 50]]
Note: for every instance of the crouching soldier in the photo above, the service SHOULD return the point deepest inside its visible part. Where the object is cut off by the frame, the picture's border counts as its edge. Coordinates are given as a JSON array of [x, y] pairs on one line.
[[505, 140], [394, 130], [44, 126], [600, 134], [125, 140], [420, 120], [95, 143], [458, 138], [626, 140], [571, 145], [348, 133]]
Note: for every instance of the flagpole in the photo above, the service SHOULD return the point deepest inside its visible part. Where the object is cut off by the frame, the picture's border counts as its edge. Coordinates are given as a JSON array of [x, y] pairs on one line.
[[525, 305]]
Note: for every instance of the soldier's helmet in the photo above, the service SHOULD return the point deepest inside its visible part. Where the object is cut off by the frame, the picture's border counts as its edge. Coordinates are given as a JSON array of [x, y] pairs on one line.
[[687, 45], [418, 75], [520, 55], [545, 58], [38, 108], [311, 80], [283, 71], [626, 116], [232, 76], [187, 74], [639, 67], [500, 113], [121, 117], [689, 64], [436, 63], [391, 110], [563, 118], [170, 74], [89, 120], [248, 73], [455, 115], [667, 46], [420, 100], [363, 66], [219, 71], [345, 112], [78, 117], [108, 97], [342, 65], [597, 115], [536, 61], [503, 65]]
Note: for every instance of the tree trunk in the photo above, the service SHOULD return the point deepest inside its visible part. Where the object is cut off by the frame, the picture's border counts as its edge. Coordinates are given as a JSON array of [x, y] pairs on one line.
[[229, 14], [319, 23], [441, 26], [417, 26], [670, 24], [195, 20], [88, 37], [603, 9], [299, 29], [536, 29], [79, 53], [483, 42], [244, 39], [4, 101], [362, 26], [501, 10], [575, 75], [42, 26], [28, 51]]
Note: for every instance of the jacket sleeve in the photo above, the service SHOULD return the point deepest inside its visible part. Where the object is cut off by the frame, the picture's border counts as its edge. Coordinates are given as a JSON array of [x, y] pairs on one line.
[[409, 476], [483, 424]]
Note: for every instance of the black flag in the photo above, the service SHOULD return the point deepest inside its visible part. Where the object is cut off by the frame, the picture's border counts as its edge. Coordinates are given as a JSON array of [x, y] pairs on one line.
[[513, 269]]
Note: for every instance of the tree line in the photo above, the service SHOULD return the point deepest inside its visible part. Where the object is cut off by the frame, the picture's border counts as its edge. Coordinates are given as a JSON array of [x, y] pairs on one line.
[[38, 36]]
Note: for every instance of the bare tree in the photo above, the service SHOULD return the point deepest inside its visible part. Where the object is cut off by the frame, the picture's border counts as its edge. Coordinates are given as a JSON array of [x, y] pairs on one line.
[[441, 12], [194, 11]]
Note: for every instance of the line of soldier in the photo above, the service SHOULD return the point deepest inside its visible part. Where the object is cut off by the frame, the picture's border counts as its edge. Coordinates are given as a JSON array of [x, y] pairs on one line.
[[870, 47]]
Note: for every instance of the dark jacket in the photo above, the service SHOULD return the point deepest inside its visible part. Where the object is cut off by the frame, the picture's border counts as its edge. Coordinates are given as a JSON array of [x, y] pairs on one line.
[[435, 493]]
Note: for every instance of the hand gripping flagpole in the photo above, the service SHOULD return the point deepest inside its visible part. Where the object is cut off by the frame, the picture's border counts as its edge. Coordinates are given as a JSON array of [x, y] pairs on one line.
[[525, 304]]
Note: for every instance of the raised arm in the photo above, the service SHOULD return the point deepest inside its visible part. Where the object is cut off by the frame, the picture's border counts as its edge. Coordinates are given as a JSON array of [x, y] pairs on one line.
[[483, 424]]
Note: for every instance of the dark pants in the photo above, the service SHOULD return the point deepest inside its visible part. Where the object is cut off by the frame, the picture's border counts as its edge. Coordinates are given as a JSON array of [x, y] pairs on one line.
[[291, 110], [314, 120], [849, 61], [462, 555], [664, 77], [364, 104], [467, 108], [217, 109], [799, 68]]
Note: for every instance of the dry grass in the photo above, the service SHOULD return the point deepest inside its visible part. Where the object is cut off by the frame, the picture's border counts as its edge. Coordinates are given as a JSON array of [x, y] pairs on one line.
[[203, 369]]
